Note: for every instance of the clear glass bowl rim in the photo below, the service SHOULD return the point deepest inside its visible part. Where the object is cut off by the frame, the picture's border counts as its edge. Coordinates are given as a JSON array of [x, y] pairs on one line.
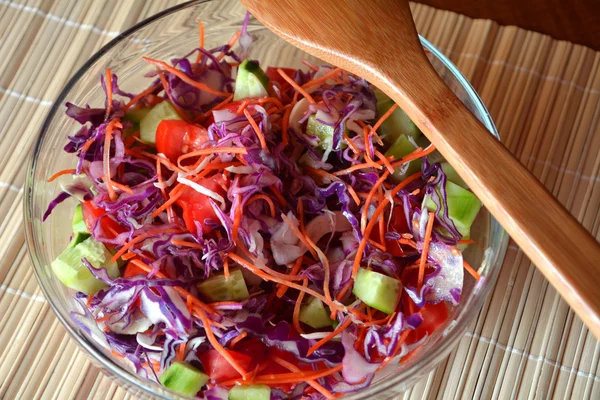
[[125, 376]]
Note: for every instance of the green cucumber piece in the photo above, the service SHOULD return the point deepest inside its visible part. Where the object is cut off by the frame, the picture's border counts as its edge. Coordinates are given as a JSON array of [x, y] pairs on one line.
[[403, 146], [322, 131], [463, 207], [219, 288], [251, 81], [396, 124], [78, 222], [314, 314], [160, 112], [183, 378], [250, 392], [78, 237], [452, 175], [377, 290], [74, 274], [136, 114]]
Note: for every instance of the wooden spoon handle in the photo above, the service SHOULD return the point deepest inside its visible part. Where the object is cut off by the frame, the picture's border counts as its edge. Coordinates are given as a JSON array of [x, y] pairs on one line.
[[555, 242]]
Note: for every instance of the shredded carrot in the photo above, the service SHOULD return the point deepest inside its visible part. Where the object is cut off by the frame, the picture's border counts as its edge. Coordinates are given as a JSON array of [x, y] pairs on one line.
[[356, 167], [184, 243], [351, 144], [471, 270], [296, 86], [309, 65], [181, 75], [279, 196], [465, 241], [311, 382], [237, 339], [418, 153], [140, 96], [282, 288], [385, 116], [323, 78], [122, 187], [257, 271], [230, 44], [385, 161], [380, 208], [368, 154], [226, 268], [242, 107], [292, 377], [237, 220], [285, 138], [109, 92], [261, 137], [401, 340], [365, 210], [71, 171], [296, 315], [201, 35], [212, 150], [426, 241], [327, 338], [106, 157], [180, 353], [163, 160], [139, 239], [215, 108], [260, 196], [217, 346]]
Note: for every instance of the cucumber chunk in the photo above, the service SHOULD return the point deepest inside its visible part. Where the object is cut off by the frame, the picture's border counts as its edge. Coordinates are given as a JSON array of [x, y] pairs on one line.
[[320, 130], [78, 222], [250, 392], [160, 112], [183, 378], [251, 81], [463, 207], [136, 114], [74, 274], [396, 124], [219, 288], [314, 314], [80, 231], [377, 290], [403, 146], [452, 175], [78, 237]]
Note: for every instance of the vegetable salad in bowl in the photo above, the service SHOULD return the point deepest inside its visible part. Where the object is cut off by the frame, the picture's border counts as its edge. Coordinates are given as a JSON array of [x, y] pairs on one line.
[[253, 232]]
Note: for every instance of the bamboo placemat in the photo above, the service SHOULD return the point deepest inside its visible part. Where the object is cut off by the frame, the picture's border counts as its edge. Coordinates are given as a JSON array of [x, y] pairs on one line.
[[543, 95]]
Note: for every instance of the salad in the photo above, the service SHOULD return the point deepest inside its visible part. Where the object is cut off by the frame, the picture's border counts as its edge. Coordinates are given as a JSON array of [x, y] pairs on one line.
[[252, 232]]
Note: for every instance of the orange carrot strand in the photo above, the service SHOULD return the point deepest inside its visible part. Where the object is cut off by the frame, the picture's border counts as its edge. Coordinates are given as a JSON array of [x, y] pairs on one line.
[[426, 241], [71, 171]]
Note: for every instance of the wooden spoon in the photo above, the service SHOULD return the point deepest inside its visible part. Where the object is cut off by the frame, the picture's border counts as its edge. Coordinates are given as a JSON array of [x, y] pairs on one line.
[[377, 40]]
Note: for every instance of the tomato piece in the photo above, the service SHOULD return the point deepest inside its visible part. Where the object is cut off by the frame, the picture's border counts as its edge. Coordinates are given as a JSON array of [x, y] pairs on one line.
[[109, 227], [434, 315], [196, 206], [131, 270], [219, 369], [398, 224], [175, 138]]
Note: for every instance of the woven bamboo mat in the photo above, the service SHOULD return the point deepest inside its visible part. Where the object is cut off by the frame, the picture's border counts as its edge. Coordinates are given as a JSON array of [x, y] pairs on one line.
[[543, 94]]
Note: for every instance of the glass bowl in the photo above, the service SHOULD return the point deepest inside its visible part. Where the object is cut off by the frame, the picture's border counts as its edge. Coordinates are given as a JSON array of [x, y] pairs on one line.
[[174, 33]]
